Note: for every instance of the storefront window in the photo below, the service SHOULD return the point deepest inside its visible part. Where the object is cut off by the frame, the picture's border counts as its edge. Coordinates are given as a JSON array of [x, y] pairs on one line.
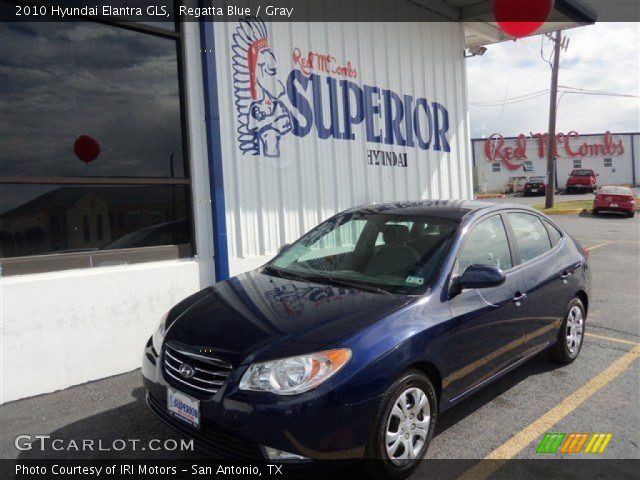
[[91, 139]]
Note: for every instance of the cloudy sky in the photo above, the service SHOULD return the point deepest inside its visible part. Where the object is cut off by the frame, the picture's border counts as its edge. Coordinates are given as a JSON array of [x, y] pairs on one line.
[[604, 57]]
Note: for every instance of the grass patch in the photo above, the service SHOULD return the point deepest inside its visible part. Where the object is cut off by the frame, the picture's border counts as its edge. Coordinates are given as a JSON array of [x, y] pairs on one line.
[[570, 206], [564, 206]]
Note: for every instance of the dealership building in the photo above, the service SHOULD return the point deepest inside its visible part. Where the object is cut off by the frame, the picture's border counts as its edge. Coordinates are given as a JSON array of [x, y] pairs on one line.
[[499, 160], [142, 162]]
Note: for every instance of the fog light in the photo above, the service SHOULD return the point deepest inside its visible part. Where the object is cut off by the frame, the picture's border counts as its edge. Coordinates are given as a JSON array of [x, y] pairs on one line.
[[275, 454]]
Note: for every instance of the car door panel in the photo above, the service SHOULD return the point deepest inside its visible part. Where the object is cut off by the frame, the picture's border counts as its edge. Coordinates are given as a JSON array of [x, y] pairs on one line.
[[486, 328], [486, 334]]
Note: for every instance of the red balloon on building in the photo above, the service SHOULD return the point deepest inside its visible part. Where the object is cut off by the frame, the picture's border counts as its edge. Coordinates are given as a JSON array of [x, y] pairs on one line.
[[521, 18], [86, 148]]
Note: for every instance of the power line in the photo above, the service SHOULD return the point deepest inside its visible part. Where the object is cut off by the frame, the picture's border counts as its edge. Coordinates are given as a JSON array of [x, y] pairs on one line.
[[540, 93]]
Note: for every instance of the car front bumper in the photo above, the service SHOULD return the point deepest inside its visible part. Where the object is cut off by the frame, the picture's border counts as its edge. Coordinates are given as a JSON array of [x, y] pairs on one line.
[[238, 424]]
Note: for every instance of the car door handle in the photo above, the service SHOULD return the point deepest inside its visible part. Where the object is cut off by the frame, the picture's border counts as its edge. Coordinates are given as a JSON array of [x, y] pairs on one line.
[[566, 274], [519, 297]]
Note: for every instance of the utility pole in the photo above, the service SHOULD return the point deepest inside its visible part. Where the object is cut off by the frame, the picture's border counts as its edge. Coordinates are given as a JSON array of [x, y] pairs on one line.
[[551, 138]]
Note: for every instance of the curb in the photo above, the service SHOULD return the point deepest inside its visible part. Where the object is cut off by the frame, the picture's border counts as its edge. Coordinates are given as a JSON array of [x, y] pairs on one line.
[[489, 195], [575, 211]]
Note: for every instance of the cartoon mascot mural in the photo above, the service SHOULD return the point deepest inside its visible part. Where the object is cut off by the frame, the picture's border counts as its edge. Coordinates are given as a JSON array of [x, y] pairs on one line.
[[262, 116]]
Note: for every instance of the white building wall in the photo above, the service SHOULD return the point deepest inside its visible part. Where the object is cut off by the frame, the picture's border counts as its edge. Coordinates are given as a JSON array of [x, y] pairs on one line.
[[272, 201], [64, 328], [620, 172]]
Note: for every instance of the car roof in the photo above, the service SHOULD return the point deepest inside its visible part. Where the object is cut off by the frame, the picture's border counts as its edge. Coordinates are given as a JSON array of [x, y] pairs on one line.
[[452, 209]]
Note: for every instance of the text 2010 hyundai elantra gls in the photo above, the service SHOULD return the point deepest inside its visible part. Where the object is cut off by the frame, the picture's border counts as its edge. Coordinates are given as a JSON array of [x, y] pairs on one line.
[[353, 339]]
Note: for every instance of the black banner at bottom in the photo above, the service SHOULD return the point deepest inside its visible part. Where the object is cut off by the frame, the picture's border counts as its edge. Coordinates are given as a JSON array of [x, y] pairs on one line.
[[428, 469]]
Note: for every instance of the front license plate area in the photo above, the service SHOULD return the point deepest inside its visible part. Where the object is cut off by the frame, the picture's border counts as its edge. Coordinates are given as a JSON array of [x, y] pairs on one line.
[[183, 407]]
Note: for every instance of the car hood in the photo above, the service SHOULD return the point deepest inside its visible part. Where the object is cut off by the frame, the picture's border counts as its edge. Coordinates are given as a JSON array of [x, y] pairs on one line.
[[256, 316]]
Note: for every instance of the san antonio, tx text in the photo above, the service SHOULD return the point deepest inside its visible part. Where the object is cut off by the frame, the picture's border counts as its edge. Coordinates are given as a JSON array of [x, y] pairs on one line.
[[128, 469]]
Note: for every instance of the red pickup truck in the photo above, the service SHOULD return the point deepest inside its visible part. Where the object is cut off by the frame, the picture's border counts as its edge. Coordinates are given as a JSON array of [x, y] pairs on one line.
[[582, 179]]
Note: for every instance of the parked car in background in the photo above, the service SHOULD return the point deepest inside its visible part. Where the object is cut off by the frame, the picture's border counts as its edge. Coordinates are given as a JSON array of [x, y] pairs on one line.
[[352, 340], [615, 199], [535, 186], [582, 180]]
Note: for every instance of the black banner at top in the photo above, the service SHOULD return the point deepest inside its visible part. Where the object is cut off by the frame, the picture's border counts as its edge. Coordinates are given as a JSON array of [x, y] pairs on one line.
[[158, 12]]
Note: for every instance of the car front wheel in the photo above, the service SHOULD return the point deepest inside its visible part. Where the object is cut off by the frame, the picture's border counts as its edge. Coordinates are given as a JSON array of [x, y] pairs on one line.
[[404, 426], [571, 334]]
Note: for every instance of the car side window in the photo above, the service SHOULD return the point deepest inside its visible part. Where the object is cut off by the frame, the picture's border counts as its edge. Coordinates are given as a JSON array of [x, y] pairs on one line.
[[554, 234], [486, 244], [532, 238]]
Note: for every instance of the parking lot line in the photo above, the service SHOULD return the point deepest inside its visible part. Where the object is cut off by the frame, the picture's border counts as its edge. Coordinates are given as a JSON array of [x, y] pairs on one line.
[[612, 339], [604, 244], [518, 442]]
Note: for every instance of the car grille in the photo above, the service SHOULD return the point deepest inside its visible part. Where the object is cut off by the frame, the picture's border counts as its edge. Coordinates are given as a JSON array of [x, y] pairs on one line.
[[210, 372]]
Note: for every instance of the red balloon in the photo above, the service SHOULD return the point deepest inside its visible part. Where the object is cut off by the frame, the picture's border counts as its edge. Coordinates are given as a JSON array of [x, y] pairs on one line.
[[521, 18], [86, 148]]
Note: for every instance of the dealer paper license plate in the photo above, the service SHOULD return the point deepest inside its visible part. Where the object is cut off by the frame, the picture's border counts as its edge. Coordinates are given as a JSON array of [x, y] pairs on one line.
[[614, 205], [184, 407]]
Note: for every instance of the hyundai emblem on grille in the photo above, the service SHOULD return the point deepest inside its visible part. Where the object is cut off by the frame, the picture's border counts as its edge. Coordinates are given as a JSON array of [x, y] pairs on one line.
[[187, 371]]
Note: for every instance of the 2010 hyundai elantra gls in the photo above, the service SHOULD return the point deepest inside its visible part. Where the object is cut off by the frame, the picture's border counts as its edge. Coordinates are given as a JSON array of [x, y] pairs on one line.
[[352, 340]]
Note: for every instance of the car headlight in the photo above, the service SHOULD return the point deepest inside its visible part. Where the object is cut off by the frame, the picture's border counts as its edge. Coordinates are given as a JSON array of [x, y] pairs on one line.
[[293, 375], [158, 335]]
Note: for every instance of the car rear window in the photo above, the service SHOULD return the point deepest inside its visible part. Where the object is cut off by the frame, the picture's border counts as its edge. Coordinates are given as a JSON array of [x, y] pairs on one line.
[[554, 234], [582, 173], [532, 238], [615, 191]]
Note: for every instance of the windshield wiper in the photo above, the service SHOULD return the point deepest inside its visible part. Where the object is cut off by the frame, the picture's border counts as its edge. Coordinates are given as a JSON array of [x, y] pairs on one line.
[[357, 285], [315, 277]]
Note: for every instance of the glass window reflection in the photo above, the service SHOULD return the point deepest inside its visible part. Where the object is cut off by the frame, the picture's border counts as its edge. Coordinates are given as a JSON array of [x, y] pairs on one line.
[[60, 81], [46, 219]]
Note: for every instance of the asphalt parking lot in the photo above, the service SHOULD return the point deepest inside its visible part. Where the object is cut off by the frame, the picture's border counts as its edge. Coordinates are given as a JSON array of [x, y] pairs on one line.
[[597, 393]]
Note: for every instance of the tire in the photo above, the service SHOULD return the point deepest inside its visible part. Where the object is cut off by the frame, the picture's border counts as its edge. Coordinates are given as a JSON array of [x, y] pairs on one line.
[[595, 212], [631, 214], [378, 463], [571, 334], [569, 190]]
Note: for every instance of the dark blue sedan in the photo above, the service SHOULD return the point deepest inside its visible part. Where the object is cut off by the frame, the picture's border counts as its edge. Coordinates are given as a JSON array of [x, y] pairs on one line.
[[353, 340]]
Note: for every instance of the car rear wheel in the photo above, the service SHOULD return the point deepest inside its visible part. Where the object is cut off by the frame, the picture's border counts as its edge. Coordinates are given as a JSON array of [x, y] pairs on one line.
[[595, 211], [571, 334], [404, 427], [631, 214]]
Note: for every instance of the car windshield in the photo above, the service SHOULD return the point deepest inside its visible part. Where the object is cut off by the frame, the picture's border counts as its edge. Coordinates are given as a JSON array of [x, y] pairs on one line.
[[536, 179], [582, 173], [392, 253], [615, 191]]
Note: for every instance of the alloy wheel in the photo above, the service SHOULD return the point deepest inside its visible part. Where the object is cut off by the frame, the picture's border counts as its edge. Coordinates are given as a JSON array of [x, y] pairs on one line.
[[575, 329], [408, 426]]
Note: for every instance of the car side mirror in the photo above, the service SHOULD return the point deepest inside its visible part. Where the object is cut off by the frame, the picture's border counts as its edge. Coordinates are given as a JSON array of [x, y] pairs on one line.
[[481, 276], [283, 247], [478, 276]]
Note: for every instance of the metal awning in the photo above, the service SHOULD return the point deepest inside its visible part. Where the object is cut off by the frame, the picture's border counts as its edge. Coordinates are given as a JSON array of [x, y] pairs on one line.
[[480, 27]]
